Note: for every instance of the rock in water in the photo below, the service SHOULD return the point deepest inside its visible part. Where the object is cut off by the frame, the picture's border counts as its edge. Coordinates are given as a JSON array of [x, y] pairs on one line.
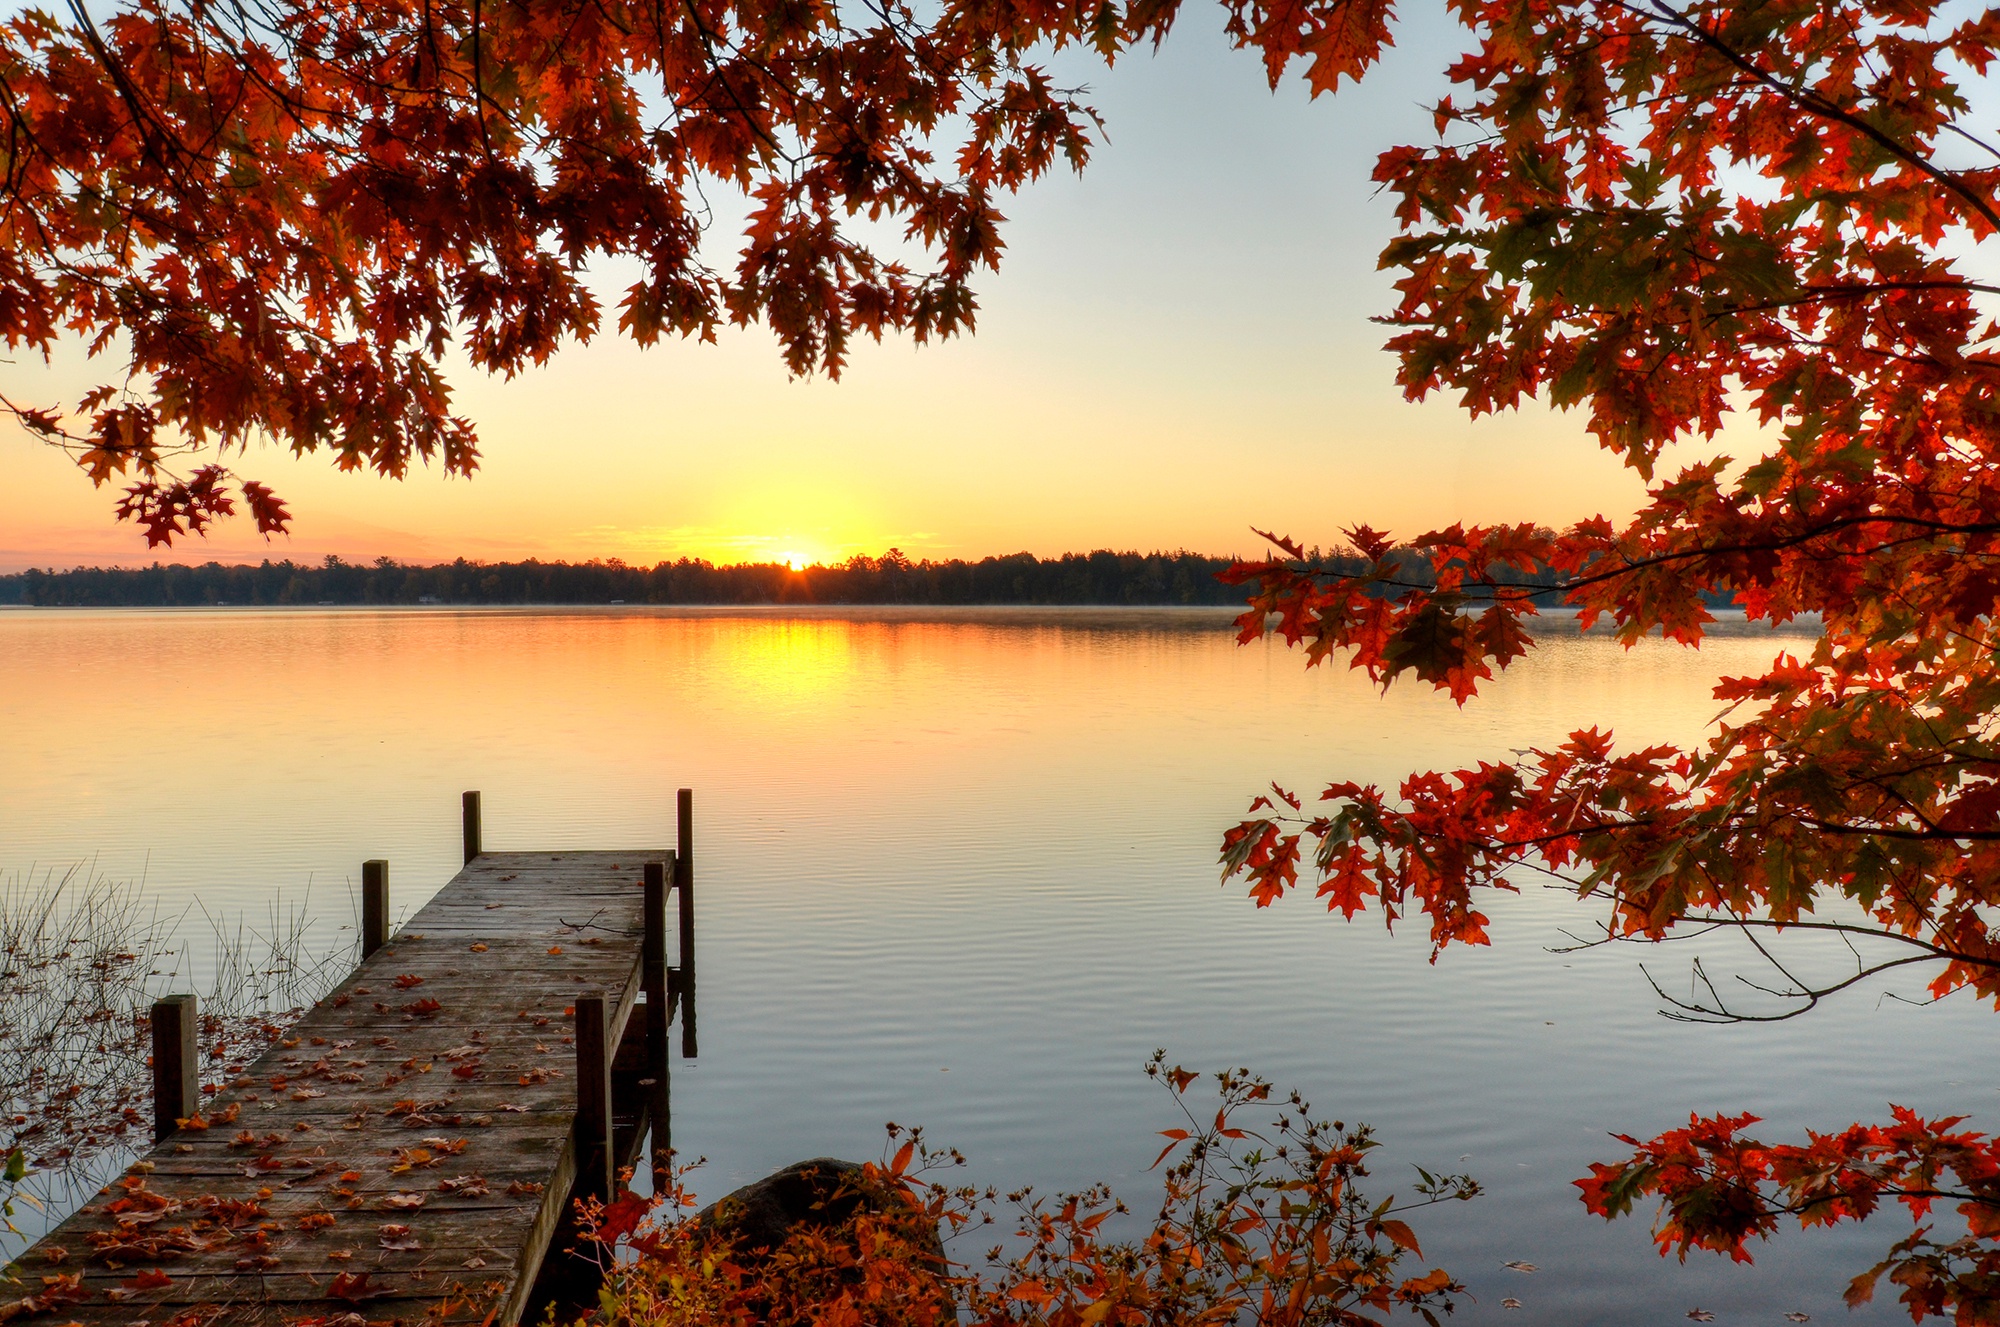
[[822, 1195], [823, 1198]]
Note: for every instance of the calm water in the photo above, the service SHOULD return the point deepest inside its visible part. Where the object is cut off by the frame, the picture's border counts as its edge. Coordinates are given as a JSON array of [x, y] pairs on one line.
[[959, 870]]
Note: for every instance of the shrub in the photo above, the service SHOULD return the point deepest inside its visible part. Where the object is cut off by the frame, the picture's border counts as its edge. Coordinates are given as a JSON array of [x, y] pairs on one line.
[[1265, 1226]]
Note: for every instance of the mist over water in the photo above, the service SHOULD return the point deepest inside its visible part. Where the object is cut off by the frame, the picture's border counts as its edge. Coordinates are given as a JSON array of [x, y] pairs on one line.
[[958, 870]]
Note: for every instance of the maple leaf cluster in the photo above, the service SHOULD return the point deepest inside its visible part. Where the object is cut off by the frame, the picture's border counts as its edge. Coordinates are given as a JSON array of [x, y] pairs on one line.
[[283, 215], [1719, 1188], [1663, 214], [1660, 215]]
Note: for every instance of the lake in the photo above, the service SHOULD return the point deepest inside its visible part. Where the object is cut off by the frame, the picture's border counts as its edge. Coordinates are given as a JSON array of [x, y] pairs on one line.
[[958, 869]]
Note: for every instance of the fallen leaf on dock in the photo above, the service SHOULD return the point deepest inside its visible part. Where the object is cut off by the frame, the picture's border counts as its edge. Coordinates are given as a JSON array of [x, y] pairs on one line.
[[398, 1238], [353, 1287], [408, 1202], [410, 1158]]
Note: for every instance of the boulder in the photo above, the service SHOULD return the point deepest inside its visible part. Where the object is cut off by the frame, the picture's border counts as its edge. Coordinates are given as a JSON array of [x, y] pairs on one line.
[[820, 1194]]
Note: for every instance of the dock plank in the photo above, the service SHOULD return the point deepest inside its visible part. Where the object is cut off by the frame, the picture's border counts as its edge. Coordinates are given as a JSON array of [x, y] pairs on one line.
[[416, 1125]]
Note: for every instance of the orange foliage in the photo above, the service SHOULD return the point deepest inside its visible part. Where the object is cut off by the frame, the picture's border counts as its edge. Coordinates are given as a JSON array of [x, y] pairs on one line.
[[1658, 214], [284, 215]]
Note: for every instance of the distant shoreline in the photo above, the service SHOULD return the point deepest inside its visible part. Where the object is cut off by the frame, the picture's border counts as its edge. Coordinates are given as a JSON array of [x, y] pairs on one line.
[[1019, 582], [1550, 622], [1100, 579]]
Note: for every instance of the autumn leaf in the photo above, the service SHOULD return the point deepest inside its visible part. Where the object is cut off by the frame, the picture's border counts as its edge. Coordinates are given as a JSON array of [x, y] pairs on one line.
[[1400, 1235], [356, 1287]]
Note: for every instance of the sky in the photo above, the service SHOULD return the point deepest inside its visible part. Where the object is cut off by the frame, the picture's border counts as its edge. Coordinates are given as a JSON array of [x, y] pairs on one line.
[[1176, 349]]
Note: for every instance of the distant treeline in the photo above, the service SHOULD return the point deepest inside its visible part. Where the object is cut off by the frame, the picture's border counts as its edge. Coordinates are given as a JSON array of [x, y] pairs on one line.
[[1102, 577], [1075, 578]]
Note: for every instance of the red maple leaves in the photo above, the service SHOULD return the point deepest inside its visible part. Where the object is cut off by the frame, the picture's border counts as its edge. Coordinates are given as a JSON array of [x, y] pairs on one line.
[[1661, 214], [1719, 1189], [283, 226]]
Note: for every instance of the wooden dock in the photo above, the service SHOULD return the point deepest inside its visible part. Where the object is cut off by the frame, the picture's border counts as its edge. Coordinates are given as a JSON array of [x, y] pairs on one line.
[[410, 1151]]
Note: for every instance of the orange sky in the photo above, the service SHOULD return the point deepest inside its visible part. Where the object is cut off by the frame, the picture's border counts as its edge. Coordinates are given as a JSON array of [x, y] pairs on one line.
[[1176, 348]]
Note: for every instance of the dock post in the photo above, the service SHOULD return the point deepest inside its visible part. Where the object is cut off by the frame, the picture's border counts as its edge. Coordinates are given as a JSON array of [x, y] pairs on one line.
[[472, 848], [176, 1076], [684, 887], [653, 959], [374, 905], [593, 1100]]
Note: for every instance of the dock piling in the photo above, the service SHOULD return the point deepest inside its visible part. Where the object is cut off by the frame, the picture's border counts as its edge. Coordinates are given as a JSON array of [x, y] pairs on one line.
[[176, 1075], [658, 1009], [374, 905], [472, 845], [593, 1099], [684, 887]]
